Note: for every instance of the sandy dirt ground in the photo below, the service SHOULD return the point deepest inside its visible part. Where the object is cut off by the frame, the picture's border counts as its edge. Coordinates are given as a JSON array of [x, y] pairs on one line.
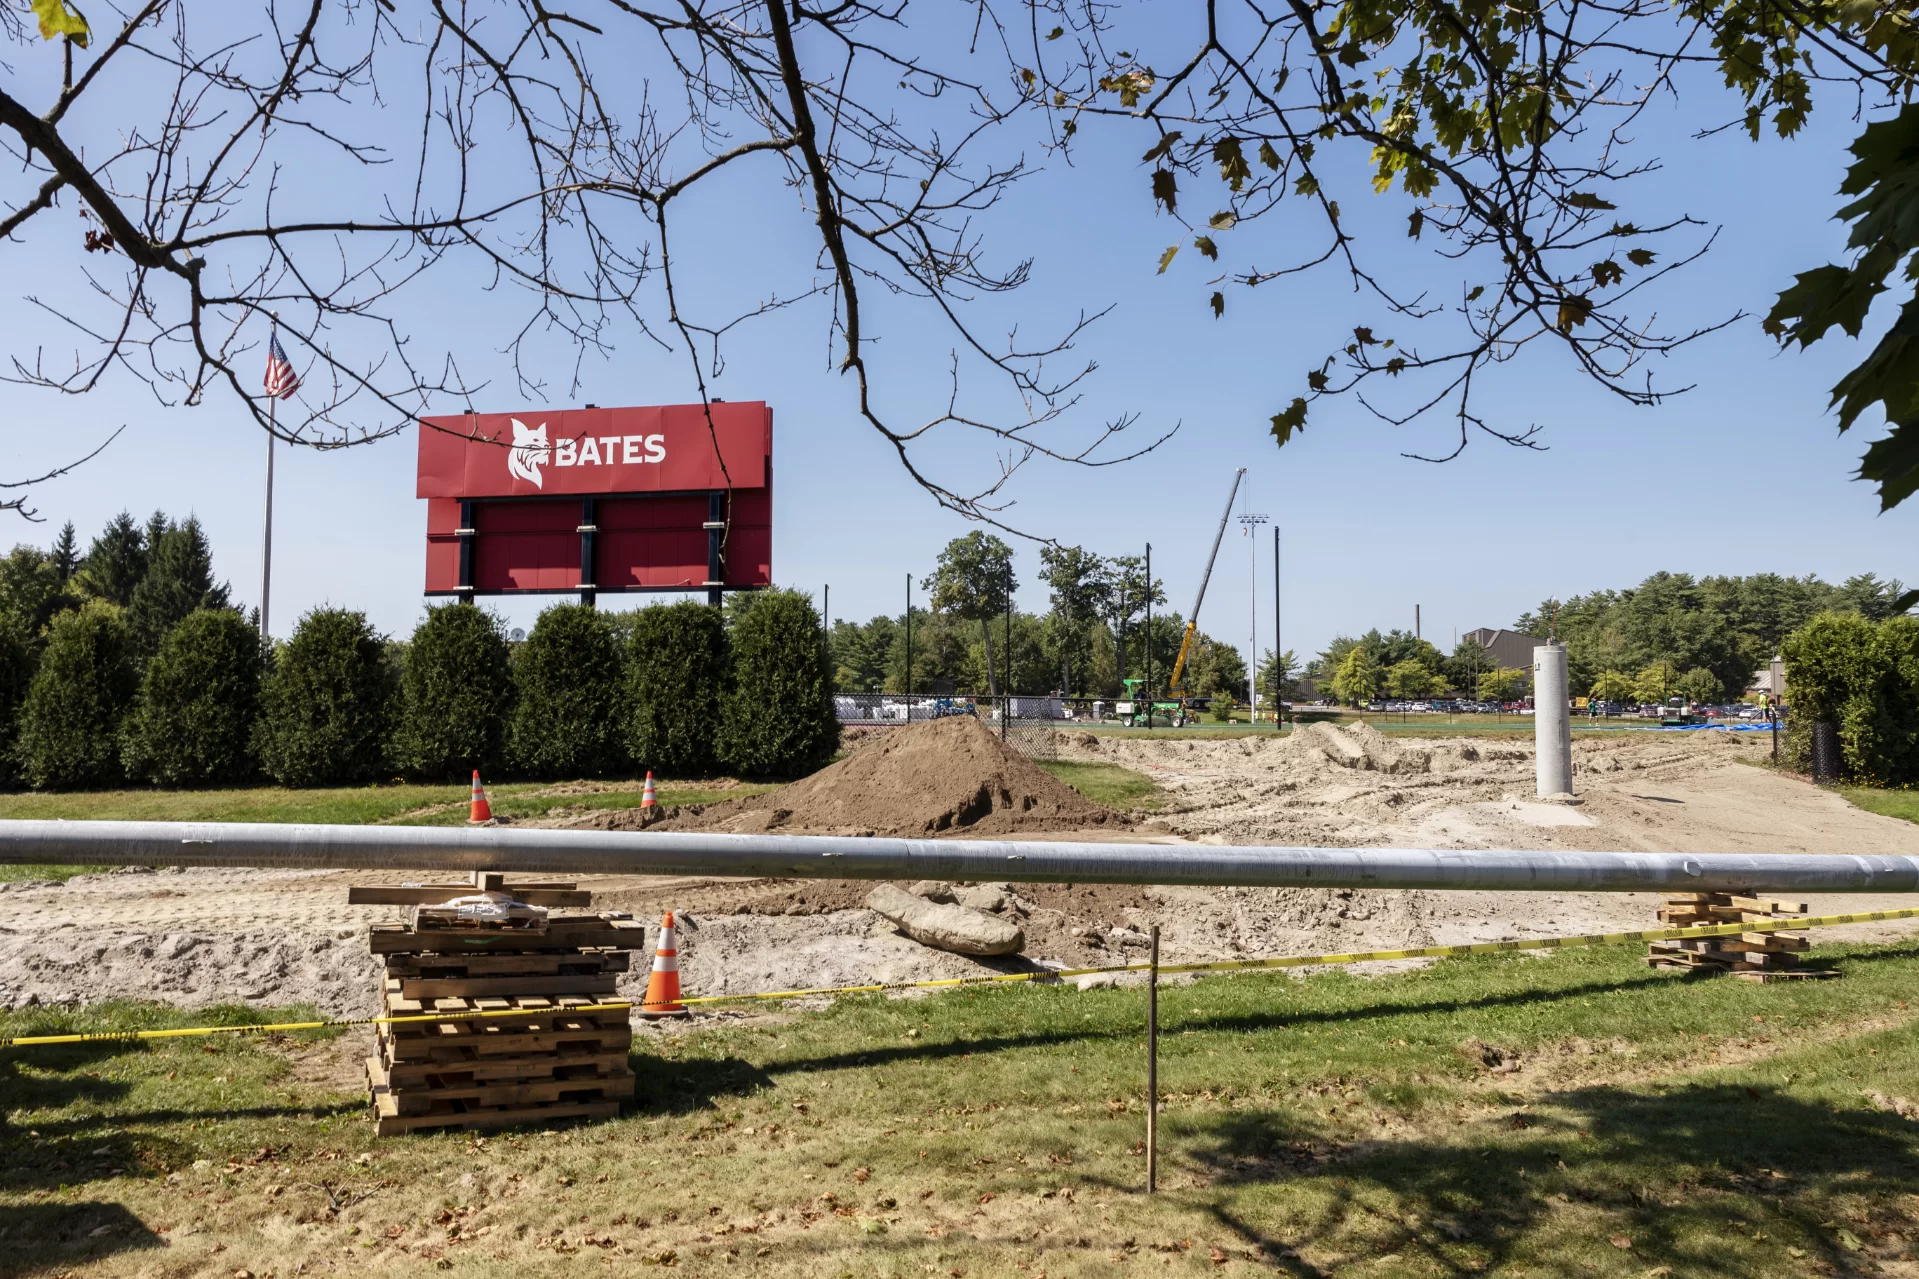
[[193, 937]]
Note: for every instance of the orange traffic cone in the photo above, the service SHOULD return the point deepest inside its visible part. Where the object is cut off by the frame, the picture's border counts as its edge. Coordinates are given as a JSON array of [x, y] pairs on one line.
[[649, 798], [482, 811], [663, 983]]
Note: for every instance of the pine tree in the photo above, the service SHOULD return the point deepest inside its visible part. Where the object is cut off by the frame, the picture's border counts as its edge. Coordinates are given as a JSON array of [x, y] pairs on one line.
[[327, 705], [571, 711], [778, 720], [178, 580], [66, 552], [458, 695], [192, 723], [116, 561], [70, 725], [676, 672]]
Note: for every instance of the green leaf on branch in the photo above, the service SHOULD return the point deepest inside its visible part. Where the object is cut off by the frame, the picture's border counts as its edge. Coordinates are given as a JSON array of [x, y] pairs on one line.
[[1607, 273], [1587, 200], [1204, 244], [1223, 221], [1219, 305], [1416, 223], [1268, 156], [1293, 419], [1056, 33], [1166, 188], [1317, 379], [1573, 312], [1164, 147], [1641, 257], [1166, 258], [1231, 161], [1478, 292], [58, 18]]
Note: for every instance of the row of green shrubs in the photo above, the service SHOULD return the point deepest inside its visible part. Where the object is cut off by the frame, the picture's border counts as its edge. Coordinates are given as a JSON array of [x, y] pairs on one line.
[[1862, 677], [679, 689]]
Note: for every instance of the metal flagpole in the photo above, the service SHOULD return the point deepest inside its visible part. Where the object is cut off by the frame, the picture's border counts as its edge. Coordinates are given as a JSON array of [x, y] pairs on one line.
[[266, 549]]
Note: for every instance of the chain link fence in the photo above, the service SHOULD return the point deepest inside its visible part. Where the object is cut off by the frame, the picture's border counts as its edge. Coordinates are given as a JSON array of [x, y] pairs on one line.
[[1028, 724]]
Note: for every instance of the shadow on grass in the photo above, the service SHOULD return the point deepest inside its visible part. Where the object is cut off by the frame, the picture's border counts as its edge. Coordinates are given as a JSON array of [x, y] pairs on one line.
[[104, 1139], [37, 1237], [666, 1086], [1675, 1172]]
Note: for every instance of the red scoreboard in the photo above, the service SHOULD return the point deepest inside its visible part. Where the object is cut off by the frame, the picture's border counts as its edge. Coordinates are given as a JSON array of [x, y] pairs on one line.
[[583, 501]]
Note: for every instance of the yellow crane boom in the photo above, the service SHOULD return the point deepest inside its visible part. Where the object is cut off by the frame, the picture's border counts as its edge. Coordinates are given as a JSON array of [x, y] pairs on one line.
[[1176, 686]]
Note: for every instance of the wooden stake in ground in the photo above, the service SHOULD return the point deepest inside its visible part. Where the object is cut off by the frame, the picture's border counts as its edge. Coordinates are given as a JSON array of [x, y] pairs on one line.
[[1152, 1069]]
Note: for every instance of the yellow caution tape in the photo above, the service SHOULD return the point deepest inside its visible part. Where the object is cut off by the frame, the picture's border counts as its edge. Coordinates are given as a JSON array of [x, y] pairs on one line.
[[1045, 975], [1355, 957], [183, 1032]]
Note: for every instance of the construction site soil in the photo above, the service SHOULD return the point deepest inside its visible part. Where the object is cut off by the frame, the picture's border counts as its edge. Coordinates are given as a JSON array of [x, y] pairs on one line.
[[194, 937], [948, 777]]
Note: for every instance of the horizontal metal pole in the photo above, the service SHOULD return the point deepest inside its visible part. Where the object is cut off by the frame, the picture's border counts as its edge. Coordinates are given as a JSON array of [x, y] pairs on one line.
[[580, 852]]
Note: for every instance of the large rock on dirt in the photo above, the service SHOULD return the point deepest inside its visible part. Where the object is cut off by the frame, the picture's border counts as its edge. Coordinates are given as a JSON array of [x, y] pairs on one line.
[[944, 926]]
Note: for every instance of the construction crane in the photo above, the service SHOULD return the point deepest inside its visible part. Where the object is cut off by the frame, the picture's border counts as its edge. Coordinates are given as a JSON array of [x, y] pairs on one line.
[[1175, 707], [1176, 685]]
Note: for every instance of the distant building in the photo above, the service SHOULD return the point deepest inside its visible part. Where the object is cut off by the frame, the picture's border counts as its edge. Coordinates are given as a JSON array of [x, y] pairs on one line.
[[1508, 648]]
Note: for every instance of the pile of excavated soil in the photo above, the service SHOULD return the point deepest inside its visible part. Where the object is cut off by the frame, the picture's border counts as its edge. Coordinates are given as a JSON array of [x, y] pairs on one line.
[[946, 777]]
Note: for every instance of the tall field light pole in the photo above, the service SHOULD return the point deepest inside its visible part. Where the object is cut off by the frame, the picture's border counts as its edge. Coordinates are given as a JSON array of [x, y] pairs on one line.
[[1249, 524]]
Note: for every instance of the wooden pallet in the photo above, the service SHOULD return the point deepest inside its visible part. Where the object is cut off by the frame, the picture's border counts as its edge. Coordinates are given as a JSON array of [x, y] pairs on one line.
[[387, 1125], [470, 1042], [536, 1058], [508, 964], [1754, 956], [448, 1095], [584, 985], [565, 933], [518, 1068]]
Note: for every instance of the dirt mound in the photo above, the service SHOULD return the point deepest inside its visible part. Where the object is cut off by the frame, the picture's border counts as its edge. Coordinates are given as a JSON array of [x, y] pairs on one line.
[[1360, 747], [947, 777]]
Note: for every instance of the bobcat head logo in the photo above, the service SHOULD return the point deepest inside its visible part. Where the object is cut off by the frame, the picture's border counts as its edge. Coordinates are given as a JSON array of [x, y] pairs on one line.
[[529, 453]]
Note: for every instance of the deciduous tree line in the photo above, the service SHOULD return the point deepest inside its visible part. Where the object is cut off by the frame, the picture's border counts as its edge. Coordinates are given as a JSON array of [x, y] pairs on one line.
[[1094, 634], [1703, 637]]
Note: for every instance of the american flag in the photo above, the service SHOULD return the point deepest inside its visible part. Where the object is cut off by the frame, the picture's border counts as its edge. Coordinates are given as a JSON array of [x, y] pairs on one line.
[[281, 380]]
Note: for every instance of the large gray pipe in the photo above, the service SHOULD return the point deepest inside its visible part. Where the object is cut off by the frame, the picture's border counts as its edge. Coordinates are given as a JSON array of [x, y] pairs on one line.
[[1552, 722], [569, 852]]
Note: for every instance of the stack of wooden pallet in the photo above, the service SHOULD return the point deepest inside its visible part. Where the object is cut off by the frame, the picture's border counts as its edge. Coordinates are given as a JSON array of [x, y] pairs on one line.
[[1753, 956], [539, 1058]]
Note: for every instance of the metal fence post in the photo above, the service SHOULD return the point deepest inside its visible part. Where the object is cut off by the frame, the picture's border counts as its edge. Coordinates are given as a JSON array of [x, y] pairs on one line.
[[1152, 1069]]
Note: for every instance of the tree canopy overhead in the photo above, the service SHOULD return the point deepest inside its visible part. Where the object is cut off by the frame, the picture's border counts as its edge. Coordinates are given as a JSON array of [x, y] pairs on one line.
[[314, 161]]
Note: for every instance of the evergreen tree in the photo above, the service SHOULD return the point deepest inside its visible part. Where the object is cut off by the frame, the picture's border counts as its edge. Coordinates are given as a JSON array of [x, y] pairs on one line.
[[193, 721], [777, 718], [676, 664], [16, 674], [571, 714], [31, 592], [327, 706], [458, 695], [70, 724], [178, 580], [66, 552], [116, 561]]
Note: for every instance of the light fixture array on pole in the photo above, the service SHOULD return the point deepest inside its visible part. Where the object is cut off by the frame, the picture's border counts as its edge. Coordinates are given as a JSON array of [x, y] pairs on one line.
[[1250, 526]]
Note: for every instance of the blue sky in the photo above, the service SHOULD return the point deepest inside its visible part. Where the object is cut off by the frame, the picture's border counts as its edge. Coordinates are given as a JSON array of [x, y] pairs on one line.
[[1744, 474]]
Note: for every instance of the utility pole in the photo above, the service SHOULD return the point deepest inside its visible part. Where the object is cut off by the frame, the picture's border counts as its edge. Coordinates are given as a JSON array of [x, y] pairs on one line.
[[1279, 683], [909, 644], [1147, 638], [1250, 524], [1416, 630]]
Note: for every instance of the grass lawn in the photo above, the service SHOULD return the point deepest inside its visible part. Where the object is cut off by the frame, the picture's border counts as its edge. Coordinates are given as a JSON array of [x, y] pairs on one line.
[[1903, 804], [1107, 784], [400, 804], [1335, 1125]]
